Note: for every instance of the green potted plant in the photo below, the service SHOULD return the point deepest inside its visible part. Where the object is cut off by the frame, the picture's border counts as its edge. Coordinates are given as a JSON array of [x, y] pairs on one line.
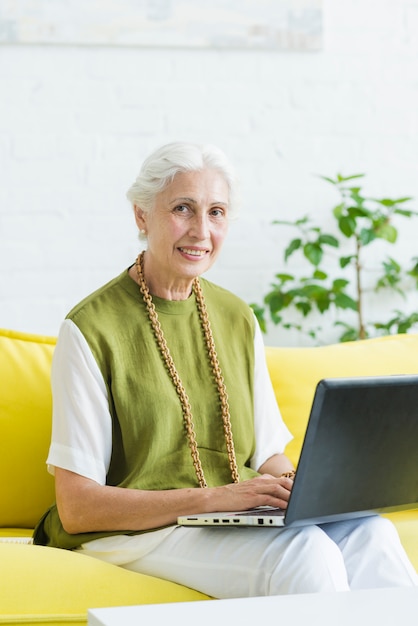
[[336, 262]]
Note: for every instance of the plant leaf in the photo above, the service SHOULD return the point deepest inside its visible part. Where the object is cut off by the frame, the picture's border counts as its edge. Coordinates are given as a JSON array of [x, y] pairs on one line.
[[304, 308], [342, 301], [406, 213], [388, 232], [356, 211], [390, 202], [346, 260], [276, 319], [337, 211], [347, 225], [343, 179], [329, 240], [294, 245], [275, 301], [350, 334], [284, 278], [259, 314], [367, 235], [314, 291], [323, 302], [313, 252], [339, 284], [328, 179], [319, 275]]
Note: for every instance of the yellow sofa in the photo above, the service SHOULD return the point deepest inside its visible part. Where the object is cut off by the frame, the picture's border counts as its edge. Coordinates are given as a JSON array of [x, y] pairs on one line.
[[50, 586]]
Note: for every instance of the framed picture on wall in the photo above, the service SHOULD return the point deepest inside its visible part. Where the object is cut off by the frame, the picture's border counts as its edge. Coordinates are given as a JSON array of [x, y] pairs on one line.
[[223, 24]]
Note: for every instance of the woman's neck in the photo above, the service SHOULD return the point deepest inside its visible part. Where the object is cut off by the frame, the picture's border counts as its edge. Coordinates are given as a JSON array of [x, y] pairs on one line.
[[181, 291]]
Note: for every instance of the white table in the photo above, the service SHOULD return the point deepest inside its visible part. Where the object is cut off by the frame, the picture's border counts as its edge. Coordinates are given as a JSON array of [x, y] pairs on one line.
[[385, 607]]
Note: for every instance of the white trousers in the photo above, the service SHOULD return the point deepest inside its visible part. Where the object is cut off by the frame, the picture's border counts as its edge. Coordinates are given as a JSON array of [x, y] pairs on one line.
[[243, 562]]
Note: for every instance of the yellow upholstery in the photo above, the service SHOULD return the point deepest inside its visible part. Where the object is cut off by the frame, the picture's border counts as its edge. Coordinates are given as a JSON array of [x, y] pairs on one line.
[[53, 586], [48, 586], [25, 426]]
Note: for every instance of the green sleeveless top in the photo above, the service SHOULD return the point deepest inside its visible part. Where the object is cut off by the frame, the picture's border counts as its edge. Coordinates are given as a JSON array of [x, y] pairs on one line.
[[150, 449]]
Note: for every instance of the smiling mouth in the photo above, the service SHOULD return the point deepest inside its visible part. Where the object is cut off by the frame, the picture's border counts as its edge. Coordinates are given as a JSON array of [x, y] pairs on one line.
[[193, 252]]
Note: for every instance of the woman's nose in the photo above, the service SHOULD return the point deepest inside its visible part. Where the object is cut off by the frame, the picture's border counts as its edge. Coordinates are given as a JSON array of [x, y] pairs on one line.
[[200, 227]]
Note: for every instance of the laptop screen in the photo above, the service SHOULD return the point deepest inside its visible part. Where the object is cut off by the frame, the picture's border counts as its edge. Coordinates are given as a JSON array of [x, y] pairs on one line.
[[360, 452]]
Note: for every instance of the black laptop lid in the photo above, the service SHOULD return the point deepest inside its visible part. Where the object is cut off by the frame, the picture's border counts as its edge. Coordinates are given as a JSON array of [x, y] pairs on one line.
[[360, 453]]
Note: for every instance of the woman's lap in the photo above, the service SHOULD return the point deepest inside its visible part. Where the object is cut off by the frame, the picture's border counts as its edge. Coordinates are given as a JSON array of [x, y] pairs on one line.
[[243, 562]]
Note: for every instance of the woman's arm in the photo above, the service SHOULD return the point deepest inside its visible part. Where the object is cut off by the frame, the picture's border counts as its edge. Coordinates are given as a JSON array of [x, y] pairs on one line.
[[277, 465], [86, 506]]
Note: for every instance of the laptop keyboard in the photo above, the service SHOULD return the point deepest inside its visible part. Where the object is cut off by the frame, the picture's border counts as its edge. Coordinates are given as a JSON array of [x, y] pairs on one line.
[[270, 512]]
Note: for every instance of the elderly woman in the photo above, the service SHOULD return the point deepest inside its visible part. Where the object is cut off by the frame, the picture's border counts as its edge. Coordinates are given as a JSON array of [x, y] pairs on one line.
[[163, 407]]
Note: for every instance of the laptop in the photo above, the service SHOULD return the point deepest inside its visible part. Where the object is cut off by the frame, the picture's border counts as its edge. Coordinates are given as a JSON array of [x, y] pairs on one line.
[[359, 457]]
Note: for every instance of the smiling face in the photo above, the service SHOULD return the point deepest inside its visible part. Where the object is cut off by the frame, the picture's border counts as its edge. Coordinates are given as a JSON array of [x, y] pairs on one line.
[[185, 229]]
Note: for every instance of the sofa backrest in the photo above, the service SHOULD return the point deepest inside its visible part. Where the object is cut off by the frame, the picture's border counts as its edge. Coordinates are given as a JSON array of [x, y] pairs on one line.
[[295, 372], [26, 488]]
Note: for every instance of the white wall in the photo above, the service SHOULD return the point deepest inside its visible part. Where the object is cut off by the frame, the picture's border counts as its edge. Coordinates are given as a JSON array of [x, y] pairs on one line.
[[76, 122]]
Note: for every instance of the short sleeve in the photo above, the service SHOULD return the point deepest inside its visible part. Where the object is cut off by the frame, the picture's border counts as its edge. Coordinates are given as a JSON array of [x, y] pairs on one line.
[[271, 433], [81, 439]]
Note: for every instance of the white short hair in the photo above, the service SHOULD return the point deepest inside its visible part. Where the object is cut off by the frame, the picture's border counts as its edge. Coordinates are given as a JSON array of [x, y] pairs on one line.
[[159, 169]]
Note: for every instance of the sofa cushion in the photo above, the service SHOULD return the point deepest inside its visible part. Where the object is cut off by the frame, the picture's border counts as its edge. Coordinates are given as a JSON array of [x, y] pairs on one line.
[[25, 425], [295, 373], [55, 587]]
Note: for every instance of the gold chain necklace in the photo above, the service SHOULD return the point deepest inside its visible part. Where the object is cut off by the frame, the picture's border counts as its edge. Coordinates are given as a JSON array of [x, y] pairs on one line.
[[168, 360]]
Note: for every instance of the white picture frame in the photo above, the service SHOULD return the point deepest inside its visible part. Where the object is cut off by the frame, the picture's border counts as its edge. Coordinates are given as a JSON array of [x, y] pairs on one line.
[[220, 24]]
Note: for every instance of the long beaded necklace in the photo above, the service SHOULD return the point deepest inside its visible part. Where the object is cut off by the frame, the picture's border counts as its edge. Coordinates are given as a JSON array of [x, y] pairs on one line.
[[168, 360]]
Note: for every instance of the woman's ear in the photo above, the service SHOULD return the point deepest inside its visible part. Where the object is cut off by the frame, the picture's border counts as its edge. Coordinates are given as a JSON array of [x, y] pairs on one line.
[[140, 218]]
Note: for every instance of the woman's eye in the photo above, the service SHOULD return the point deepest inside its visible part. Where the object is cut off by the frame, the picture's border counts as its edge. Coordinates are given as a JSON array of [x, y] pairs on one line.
[[181, 208], [218, 213]]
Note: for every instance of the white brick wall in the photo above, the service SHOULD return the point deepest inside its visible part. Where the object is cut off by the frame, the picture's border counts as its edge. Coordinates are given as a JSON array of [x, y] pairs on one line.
[[76, 122]]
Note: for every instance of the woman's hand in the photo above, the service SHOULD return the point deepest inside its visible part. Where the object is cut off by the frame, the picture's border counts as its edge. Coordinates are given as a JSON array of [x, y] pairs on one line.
[[272, 488], [264, 490]]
